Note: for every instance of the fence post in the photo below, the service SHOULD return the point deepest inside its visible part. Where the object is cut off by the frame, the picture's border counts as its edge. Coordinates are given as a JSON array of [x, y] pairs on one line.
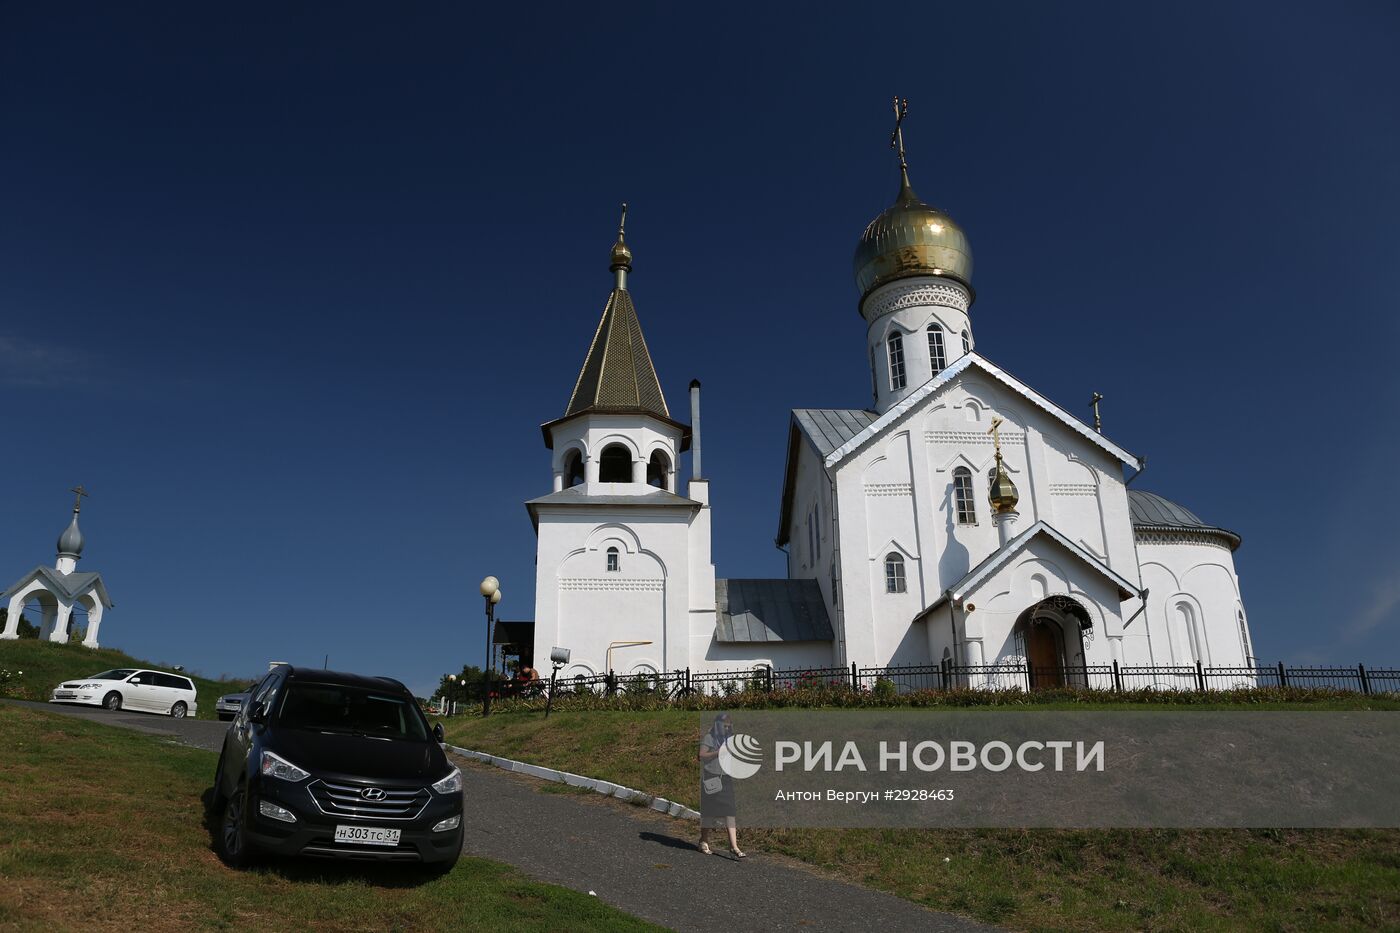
[[1200, 677], [1365, 683], [770, 678], [687, 680], [1117, 678], [943, 674], [1030, 675], [1282, 676], [855, 677]]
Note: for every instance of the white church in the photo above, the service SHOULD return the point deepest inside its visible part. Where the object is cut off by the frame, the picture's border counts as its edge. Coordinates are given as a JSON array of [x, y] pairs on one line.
[[964, 517]]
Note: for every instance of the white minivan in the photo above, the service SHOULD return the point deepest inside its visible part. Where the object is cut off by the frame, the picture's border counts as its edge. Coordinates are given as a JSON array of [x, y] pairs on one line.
[[132, 688]]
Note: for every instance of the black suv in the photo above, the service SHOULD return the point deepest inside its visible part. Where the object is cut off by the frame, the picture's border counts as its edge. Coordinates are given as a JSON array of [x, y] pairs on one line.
[[334, 765]]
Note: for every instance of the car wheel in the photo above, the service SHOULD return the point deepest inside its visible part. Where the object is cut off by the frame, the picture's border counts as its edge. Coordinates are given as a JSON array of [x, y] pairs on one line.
[[112, 701], [179, 710], [234, 847]]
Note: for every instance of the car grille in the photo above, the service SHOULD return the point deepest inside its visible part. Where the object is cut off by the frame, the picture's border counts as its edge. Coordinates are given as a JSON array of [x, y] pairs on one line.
[[64, 695], [399, 803]]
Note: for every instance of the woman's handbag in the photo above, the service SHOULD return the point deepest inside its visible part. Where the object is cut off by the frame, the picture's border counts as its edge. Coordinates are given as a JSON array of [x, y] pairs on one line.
[[712, 785]]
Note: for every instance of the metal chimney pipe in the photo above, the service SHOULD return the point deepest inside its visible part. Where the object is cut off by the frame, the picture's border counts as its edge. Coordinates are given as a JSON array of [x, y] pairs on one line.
[[695, 471]]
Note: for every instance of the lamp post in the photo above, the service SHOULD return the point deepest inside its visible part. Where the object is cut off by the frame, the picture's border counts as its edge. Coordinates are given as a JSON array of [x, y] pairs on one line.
[[451, 701], [491, 593]]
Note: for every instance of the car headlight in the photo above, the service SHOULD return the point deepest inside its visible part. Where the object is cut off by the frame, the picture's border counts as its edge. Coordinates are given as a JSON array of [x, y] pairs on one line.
[[452, 784], [276, 766], [88, 686]]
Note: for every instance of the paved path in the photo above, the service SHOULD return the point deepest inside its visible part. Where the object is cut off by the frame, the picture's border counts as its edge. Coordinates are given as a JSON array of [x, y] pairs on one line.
[[201, 733], [634, 859], [647, 864]]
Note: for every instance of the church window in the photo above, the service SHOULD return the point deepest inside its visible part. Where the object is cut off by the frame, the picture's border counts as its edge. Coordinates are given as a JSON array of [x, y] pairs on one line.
[[967, 342], [811, 542], [573, 469], [658, 470], [874, 385], [1244, 635], [817, 528], [936, 356], [612, 560], [962, 496], [1188, 621], [615, 465], [895, 343], [894, 573]]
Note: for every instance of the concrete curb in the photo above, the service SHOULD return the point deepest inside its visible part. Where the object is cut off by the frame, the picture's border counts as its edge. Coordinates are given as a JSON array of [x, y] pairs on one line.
[[606, 788]]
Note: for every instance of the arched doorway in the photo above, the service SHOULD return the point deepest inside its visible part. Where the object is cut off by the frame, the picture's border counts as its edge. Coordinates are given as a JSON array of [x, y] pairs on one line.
[[1049, 635]]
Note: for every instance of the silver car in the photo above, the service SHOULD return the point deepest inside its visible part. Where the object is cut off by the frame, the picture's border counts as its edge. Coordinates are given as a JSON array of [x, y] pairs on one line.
[[229, 705]]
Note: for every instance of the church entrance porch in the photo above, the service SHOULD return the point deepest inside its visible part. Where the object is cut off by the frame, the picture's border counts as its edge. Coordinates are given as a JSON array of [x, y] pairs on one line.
[[1049, 635]]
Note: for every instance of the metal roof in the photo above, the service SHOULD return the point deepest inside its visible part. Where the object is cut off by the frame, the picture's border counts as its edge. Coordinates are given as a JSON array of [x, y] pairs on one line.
[[770, 610], [829, 428], [1151, 511], [70, 586], [576, 496], [618, 374]]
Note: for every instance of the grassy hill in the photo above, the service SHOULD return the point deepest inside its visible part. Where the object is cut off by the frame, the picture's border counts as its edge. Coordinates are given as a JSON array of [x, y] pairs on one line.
[[46, 665]]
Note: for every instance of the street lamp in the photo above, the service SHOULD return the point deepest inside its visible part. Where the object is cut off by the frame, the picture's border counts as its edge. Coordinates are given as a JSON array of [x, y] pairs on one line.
[[450, 700], [491, 593]]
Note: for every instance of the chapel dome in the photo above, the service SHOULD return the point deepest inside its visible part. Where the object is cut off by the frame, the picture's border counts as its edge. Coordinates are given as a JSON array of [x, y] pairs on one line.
[[71, 541], [911, 238], [1151, 512]]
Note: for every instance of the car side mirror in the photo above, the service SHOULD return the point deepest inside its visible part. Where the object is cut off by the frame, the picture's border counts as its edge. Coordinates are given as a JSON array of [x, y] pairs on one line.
[[439, 733], [258, 713]]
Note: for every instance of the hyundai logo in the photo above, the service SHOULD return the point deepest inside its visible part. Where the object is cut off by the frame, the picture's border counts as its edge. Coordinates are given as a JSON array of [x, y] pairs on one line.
[[372, 793]]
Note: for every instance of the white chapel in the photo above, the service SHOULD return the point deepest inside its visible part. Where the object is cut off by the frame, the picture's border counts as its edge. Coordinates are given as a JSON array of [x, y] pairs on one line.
[[963, 517]]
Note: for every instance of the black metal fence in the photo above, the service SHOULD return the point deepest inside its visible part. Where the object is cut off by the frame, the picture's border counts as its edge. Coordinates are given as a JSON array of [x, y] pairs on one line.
[[948, 676]]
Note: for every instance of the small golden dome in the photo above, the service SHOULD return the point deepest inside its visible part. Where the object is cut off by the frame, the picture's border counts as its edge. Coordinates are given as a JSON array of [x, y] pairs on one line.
[[621, 256], [1003, 494], [911, 238]]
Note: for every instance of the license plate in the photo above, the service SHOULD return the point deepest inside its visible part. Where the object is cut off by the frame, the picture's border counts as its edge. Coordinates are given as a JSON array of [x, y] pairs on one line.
[[367, 835]]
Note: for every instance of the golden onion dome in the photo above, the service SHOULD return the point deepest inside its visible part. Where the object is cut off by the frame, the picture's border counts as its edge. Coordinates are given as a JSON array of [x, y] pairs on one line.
[[1003, 494], [911, 238], [621, 256]]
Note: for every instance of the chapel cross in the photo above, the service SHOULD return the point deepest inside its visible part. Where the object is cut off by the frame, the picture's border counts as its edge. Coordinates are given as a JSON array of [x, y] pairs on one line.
[[1094, 404], [901, 110], [80, 493], [623, 222], [996, 435]]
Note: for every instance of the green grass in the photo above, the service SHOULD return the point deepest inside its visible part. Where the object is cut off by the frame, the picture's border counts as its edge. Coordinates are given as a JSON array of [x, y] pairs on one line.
[[48, 664], [106, 828], [1027, 879]]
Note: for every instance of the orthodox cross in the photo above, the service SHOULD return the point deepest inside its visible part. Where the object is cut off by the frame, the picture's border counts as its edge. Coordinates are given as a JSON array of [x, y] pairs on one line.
[[996, 435], [80, 493], [901, 110], [623, 222], [1094, 404]]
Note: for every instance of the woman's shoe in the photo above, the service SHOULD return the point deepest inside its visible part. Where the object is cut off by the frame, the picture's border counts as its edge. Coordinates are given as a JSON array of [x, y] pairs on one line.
[[739, 853], [705, 848]]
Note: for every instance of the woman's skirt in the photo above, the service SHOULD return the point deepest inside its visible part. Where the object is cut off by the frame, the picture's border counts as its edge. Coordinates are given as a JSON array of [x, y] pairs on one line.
[[719, 806]]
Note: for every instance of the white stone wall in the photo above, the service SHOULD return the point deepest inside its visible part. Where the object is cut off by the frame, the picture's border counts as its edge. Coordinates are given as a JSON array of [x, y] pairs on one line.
[[1192, 586], [581, 605]]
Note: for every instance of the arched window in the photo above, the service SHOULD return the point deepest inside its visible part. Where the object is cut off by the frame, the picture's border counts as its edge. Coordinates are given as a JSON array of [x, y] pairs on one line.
[[573, 469], [615, 465], [658, 470], [895, 344], [1187, 615], [937, 357], [1244, 636], [894, 572], [962, 496], [613, 566], [967, 342]]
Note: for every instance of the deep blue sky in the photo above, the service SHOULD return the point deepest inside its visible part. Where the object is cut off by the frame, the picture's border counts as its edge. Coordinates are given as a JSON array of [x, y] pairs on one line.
[[292, 291]]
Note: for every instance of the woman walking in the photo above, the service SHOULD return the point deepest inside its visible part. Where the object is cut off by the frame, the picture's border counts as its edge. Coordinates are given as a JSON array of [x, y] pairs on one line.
[[716, 787]]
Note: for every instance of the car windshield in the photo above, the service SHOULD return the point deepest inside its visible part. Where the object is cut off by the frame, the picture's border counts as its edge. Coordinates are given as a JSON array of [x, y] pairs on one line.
[[338, 708], [121, 673]]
